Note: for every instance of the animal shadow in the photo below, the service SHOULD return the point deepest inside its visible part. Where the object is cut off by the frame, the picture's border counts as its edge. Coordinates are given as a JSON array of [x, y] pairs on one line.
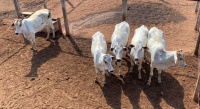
[[169, 90], [43, 56], [112, 91], [132, 88]]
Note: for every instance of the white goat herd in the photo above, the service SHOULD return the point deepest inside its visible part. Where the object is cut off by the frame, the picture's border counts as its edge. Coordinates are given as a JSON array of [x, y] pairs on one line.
[[150, 41], [143, 42]]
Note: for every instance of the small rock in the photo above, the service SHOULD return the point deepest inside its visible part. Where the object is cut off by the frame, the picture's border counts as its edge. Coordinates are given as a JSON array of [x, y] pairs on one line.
[[67, 78]]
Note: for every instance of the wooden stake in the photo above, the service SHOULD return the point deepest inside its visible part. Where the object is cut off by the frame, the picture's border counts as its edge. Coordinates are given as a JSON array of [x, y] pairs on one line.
[[65, 17], [17, 8], [197, 45], [124, 10], [196, 6], [197, 21], [197, 90]]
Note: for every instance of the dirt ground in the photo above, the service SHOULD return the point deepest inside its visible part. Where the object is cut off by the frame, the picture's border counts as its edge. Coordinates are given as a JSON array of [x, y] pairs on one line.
[[59, 78]]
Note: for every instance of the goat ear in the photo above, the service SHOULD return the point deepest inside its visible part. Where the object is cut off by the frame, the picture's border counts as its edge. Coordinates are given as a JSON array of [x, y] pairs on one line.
[[178, 53], [12, 24], [146, 48], [111, 49], [131, 46], [124, 48], [113, 58]]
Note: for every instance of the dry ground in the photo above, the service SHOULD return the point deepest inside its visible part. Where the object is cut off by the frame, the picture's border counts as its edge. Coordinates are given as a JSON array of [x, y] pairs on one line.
[[57, 77]]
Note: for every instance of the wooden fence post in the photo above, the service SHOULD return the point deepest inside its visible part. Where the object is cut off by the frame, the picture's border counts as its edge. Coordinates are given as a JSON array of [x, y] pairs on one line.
[[67, 28], [197, 45], [65, 17], [197, 20], [45, 4], [196, 6], [17, 8], [197, 90], [124, 10]]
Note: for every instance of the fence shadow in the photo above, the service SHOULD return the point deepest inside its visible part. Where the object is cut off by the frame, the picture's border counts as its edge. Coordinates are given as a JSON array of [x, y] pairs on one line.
[[139, 13]]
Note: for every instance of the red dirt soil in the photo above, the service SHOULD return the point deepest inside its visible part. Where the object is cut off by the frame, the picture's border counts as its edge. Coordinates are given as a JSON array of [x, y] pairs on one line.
[[58, 78]]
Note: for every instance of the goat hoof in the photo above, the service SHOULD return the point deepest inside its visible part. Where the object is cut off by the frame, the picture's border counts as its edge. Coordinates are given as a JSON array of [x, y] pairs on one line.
[[147, 85], [120, 76], [96, 81], [54, 38], [104, 84], [159, 83], [140, 78], [130, 71], [111, 74], [35, 52], [47, 39]]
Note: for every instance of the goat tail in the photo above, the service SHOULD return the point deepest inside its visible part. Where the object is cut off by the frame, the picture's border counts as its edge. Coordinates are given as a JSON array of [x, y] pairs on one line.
[[49, 15], [158, 35]]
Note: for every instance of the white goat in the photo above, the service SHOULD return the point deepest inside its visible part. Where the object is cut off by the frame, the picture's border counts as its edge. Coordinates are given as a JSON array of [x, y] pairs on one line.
[[102, 61], [138, 46], [119, 42], [35, 23], [160, 58]]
